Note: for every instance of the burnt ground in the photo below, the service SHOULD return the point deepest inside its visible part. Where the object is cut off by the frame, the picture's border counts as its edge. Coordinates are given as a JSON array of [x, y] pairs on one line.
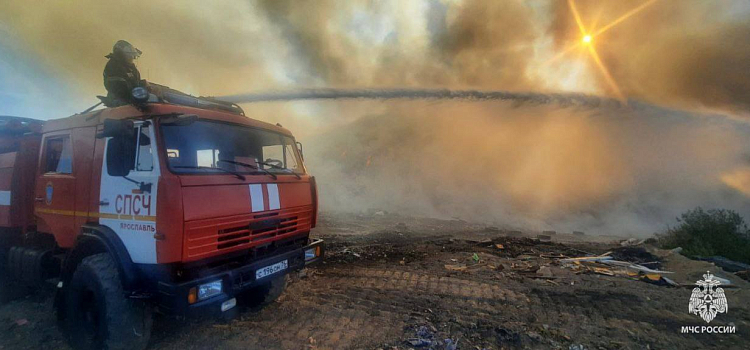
[[392, 282]]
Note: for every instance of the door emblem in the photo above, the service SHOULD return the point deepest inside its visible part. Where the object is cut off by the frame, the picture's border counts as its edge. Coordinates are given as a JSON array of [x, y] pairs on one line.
[[48, 191]]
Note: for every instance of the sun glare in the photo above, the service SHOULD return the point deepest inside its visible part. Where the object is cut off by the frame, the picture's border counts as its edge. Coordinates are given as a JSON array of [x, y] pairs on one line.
[[588, 38]]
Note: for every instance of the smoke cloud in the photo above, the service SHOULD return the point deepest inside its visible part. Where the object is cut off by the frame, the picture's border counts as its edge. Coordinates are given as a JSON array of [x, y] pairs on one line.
[[510, 132], [604, 169]]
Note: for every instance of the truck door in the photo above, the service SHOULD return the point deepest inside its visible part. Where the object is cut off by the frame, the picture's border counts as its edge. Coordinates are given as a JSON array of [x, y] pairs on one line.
[[54, 200], [127, 204]]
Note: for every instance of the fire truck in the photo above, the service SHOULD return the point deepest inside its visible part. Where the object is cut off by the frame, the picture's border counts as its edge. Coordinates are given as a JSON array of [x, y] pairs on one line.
[[179, 205]]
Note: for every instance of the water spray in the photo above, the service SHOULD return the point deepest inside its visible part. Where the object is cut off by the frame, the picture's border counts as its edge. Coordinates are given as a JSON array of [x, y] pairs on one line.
[[567, 99]]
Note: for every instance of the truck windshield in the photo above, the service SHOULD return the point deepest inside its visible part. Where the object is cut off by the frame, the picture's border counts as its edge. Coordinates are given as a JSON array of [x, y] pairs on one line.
[[210, 147]]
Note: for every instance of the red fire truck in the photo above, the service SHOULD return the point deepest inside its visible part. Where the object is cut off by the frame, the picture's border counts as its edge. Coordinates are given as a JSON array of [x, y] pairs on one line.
[[173, 206]]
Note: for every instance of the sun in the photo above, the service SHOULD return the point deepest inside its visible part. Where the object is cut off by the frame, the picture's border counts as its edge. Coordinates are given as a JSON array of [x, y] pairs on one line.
[[588, 36]]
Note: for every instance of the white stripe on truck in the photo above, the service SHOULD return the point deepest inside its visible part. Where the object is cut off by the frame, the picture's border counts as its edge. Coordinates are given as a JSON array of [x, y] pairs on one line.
[[4, 197], [256, 197], [273, 196]]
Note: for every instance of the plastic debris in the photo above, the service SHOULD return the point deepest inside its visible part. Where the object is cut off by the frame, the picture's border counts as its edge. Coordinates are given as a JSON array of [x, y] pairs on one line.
[[631, 242], [587, 258], [499, 246], [475, 257], [21, 322], [456, 267]]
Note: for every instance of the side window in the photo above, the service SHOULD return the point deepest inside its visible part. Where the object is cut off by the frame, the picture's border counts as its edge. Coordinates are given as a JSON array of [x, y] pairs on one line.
[[145, 159], [58, 157], [289, 154]]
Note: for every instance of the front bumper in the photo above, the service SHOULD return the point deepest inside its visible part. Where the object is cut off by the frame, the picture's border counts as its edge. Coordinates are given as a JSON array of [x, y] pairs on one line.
[[172, 298]]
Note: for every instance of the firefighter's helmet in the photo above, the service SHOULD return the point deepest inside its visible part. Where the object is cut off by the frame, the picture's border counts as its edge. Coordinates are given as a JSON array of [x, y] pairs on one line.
[[125, 49]]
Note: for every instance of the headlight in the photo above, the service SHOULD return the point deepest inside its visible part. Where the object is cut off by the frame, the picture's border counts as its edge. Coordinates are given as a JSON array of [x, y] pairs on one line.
[[312, 253], [140, 94], [207, 290]]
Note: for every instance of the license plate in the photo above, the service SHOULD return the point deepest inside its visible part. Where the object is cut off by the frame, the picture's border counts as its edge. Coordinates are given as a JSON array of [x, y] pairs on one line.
[[271, 269]]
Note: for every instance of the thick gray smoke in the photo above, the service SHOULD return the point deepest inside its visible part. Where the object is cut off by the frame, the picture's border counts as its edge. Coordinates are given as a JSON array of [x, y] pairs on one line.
[[601, 167]]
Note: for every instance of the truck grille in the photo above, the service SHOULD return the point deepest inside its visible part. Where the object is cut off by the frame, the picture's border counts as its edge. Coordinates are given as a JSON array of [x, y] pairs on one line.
[[204, 238]]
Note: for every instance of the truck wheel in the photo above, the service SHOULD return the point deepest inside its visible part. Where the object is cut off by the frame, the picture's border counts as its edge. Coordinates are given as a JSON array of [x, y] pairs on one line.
[[9, 289], [98, 315], [5, 283], [264, 294]]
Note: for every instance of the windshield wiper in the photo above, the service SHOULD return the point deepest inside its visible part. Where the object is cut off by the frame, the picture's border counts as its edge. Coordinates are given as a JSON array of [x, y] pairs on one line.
[[249, 166], [238, 175], [281, 168]]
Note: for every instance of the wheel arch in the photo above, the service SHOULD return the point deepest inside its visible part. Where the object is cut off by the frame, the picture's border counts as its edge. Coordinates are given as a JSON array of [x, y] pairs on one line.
[[95, 239]]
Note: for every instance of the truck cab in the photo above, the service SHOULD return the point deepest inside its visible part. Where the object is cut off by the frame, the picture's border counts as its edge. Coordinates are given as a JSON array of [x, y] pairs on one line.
[[160, 207]]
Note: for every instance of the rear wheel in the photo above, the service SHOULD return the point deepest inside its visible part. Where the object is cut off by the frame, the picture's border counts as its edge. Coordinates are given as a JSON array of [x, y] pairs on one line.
[[98, 315], [9, 288], [264, 294]]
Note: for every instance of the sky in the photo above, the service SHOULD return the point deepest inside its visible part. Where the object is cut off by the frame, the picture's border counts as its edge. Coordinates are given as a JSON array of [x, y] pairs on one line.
[[683, 53]]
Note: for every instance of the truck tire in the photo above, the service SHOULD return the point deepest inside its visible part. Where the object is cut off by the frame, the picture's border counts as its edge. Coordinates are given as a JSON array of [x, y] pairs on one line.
[[264, 294], [98, 315], [6, 294], [9, 289]]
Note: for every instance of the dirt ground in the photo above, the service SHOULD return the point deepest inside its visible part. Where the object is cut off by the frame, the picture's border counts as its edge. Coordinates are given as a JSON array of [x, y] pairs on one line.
[[393, 282]]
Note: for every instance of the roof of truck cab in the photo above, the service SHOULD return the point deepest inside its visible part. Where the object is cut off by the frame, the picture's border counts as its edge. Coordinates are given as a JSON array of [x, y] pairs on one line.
[[97, 117]]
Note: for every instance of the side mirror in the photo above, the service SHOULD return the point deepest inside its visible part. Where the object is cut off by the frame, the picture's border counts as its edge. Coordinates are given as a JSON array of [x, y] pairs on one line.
[[121, 155], [117, 128], [299, 148]]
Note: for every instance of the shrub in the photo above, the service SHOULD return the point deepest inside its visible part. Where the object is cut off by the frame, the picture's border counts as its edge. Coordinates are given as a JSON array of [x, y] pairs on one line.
[[708, 233]]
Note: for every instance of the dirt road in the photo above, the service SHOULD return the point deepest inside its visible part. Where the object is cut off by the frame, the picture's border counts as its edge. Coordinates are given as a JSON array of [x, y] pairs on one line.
[[394, 282]]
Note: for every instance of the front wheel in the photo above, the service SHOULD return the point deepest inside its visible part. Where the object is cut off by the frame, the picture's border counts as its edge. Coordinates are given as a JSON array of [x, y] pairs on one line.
[[98, 315]]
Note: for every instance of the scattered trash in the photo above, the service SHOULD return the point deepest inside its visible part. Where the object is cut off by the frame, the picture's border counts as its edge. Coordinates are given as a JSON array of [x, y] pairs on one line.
[[603, 271], [628, 265], [425, 337], [677, 250], [670, 282], [658, 280], [21, 322], [637, 255], [499, 246], [347, 251], [631, 242], [724, 282], [726, 264], [475, 257], [576, 347], [587, 258], [457, 267]]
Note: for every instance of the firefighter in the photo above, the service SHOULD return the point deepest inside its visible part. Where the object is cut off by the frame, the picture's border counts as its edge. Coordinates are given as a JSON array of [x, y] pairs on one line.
[[121, 74]]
